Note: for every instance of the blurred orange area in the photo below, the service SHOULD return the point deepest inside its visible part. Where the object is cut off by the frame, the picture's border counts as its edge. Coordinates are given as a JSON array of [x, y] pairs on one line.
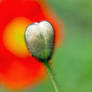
[[18, 68], [19, 75], [0, 1], [13, 37]]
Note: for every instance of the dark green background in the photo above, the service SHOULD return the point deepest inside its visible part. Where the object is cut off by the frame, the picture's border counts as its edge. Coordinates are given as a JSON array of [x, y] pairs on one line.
[[73, 61]]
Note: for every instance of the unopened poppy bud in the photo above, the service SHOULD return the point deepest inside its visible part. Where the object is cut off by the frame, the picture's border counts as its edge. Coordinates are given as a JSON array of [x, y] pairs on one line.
[[40, 40]]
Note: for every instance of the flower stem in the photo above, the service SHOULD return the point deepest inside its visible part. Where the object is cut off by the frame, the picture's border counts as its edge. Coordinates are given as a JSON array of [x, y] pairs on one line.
[[51, 76]]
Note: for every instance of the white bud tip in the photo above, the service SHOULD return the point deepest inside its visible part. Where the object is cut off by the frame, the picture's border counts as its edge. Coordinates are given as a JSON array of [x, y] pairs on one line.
[[40, 39]]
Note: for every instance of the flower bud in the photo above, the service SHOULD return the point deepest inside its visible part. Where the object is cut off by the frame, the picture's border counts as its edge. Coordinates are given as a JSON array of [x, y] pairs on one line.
[[40, 40]]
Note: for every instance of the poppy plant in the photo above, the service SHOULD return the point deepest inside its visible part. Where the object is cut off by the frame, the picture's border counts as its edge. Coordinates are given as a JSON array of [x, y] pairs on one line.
[[18, 68], [40, 41]]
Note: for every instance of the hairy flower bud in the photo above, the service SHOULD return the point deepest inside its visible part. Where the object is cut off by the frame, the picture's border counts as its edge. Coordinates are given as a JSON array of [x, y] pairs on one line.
[[40, 40]]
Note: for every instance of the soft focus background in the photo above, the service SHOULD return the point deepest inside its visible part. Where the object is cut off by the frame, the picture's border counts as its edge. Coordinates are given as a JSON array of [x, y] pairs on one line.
[[73, 61]]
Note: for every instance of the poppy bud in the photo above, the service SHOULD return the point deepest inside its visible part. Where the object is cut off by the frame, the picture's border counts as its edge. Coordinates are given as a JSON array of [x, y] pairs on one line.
[[40, 40]]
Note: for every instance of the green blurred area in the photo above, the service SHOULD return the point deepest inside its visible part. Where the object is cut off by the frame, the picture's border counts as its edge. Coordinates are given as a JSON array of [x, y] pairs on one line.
[[73, 61]]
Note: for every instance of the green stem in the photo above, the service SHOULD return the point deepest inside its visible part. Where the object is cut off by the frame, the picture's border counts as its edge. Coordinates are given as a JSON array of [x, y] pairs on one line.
[[51, 76]]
